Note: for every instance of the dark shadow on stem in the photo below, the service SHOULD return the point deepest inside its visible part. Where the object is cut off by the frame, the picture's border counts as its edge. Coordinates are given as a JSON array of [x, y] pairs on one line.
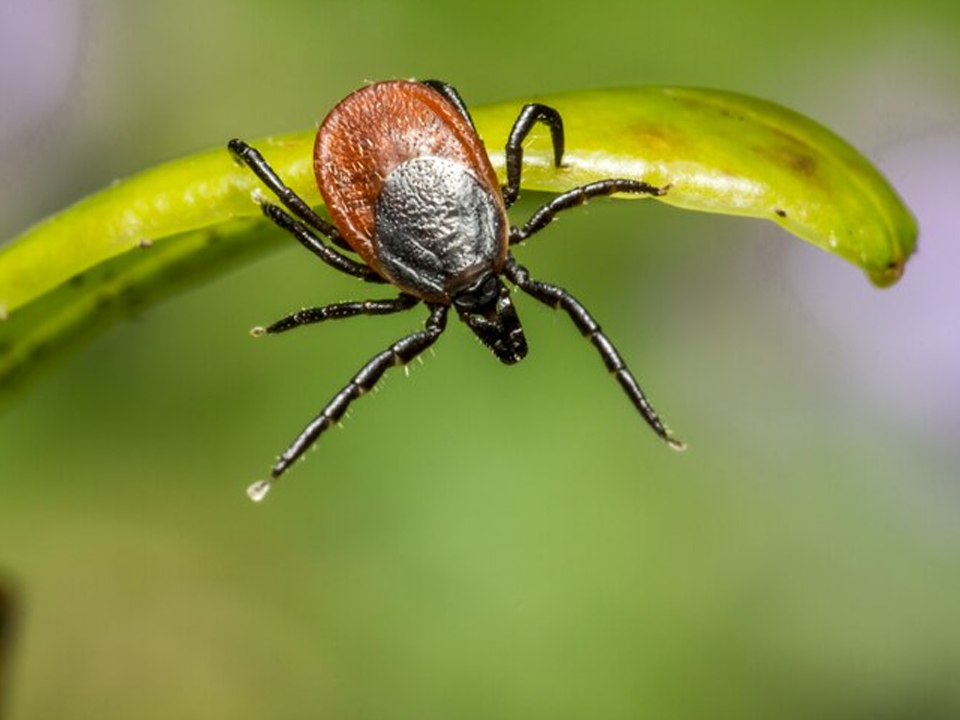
[[8, 630]]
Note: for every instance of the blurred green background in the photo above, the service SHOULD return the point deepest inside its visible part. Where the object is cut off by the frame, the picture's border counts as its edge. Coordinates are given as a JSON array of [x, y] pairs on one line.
[[483, 541]]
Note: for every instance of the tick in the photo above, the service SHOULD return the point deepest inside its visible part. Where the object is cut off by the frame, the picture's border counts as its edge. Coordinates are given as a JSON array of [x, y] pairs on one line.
[[415, 201]]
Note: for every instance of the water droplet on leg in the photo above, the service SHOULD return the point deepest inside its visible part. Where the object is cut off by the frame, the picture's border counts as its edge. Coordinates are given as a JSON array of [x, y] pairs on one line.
[[258, 491], [675, 444]]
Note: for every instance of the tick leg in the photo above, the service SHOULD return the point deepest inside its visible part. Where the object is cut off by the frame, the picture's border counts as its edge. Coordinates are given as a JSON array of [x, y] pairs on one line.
[[451, 94], [336, 311], [528, 117], [312, 243], [400, 353], [578, 196], [252, 158], [247, 155], [558, 298]]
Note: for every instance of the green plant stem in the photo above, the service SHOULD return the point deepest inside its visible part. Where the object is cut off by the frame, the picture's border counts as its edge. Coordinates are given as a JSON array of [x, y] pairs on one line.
[[144, 238]]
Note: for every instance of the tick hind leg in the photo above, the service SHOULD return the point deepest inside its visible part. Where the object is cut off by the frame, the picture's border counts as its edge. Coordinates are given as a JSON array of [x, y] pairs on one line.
[[452, 96], [528, 117], [400, 353], [558, 298], [306, 237], [248, 155]]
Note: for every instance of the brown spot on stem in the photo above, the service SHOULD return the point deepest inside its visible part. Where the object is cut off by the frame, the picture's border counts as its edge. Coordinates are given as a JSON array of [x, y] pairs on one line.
[[791, 153], [661, 140], [802, 164]]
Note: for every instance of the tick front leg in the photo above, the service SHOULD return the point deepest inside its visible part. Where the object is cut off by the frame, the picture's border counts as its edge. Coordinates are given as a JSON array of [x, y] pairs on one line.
[[308, 316], [558, 298], [400, 353]]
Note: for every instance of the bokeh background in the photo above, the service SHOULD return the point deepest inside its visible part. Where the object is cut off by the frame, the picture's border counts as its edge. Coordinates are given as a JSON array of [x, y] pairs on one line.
[[483, 541]]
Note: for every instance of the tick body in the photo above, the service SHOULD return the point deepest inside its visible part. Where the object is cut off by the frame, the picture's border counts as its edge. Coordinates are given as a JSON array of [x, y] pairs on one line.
[[408, 183], [412, 194]]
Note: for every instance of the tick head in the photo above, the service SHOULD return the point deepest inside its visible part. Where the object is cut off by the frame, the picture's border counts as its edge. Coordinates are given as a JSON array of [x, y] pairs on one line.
[[486, 308]]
